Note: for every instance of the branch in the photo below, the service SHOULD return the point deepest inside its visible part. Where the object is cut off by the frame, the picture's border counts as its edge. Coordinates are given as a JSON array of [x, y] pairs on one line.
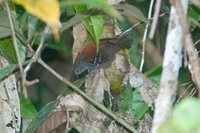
[[90, 100], [155, 19], [188, 44], [38, 51], [171, 65], [145, 36], [16, 48]]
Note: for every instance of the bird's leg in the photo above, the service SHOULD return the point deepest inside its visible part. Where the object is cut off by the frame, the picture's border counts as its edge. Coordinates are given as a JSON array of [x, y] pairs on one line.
[[97, 59]]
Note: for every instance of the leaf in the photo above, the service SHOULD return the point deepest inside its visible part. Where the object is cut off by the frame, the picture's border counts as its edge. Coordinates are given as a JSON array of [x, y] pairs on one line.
[[6, 71], [33, 24], [154, 74], [139, 107], [130, 99], [7, 50], [5, 30], [154, 71], [130, 10], [101, 5], [105, 7], [47, 10], [56, 121], [9, 101], [125, 99], [93, 24], [74, 20], [185, 118], [4, 25], [194, 16], [27, 108], [40, 118]]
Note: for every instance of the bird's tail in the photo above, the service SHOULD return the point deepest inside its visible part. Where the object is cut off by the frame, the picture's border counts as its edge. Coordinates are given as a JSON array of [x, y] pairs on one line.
[[125, 39]]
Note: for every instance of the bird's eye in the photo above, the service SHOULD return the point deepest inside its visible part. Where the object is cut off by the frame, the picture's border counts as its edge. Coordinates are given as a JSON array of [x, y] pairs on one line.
[[77, 71]]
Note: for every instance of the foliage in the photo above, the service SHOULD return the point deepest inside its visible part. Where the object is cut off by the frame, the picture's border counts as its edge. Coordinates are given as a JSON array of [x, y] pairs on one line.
[[185, 118], [31, 19]]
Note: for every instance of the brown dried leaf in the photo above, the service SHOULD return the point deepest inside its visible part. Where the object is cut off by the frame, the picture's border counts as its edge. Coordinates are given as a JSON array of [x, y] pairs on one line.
[[69, 112], [127, 116], [148, 89], [9, 103], [145, 124], [55, 122], [121, 62], [80, 35], [95, 85], [72, 102]]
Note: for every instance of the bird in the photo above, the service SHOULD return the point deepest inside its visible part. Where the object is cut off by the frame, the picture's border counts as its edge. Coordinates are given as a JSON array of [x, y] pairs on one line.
[[89, 59]]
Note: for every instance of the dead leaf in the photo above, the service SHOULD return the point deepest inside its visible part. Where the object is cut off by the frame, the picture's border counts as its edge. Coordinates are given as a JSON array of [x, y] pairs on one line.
[[55, 122], [47, 10], [95, 85], [72, 102], [9, 103], [80, 35], [67, 114], [145, 124]]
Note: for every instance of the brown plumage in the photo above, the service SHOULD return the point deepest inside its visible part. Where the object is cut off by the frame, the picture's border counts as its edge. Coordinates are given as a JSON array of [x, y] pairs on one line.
[[88, 59]]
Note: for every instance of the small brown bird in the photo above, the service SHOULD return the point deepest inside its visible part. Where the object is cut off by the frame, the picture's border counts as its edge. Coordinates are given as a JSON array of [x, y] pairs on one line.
[[88, 59]]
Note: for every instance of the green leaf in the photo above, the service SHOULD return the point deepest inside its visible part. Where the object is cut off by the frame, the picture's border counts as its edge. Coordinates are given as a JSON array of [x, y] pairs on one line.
[[93, 24], [185, 118], [5, 30], [101, 5], [154, 71], [139, 107], [154, 74], [130, 10], [74, 20], [4, 25], [42, 115], [130, 99], [125, 99], [194, 15], [32, 26], [27, 108], [22, 51], [6, 71], [7, 50]]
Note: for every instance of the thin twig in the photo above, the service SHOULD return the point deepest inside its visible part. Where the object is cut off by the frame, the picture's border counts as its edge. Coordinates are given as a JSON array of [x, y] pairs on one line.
[[148, 20], [23, 80], [155, 19], [184, 93], [145, 36], [38, 51], [193, 92], [90, 100], [188, 44], [196, 42]]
